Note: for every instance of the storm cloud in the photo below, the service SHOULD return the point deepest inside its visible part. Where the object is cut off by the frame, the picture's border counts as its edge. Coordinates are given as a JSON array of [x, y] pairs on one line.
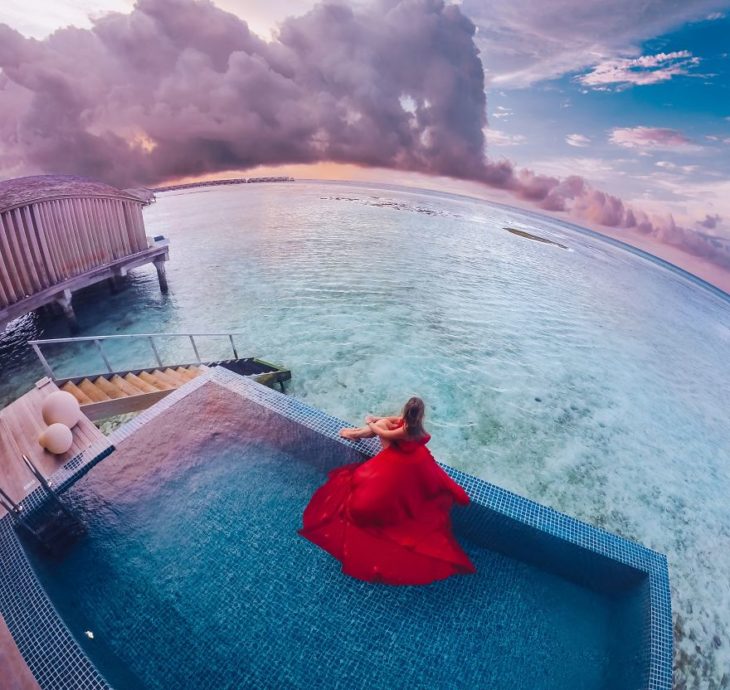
[[180, 88]]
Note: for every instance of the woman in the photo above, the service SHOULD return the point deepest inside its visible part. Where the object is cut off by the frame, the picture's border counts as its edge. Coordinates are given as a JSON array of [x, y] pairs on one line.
[[387, 519]]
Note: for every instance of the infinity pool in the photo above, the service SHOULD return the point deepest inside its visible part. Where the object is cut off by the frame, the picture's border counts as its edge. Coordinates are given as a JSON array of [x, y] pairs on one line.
[[193, 576]]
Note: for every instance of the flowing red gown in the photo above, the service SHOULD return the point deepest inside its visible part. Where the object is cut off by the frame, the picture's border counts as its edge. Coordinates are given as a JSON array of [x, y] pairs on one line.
[[388, 519]]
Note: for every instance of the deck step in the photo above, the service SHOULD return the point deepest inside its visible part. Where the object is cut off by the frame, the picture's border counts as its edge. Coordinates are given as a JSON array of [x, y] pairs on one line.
[[187, 373], [92, 391], [175, 377], [109, 388], [169, 380], [116, 387], [137, 382], [125, 386], [72, 388], [155, 381], [106, 395]]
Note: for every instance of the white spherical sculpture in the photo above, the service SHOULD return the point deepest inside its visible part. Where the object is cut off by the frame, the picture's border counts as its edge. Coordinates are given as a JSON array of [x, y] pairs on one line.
[[56, 439], [61, 407]]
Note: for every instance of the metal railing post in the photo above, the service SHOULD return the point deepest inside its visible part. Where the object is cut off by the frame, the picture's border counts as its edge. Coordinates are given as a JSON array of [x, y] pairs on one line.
[[46, 485], [103, 356], [36, 473], [44, 362], [9, 504], [154, 349], [122, 337], [195, 349]]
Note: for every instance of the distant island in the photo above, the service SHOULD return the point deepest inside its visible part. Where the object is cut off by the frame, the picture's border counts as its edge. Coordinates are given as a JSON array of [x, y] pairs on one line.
[[217, 183], [537, 238]]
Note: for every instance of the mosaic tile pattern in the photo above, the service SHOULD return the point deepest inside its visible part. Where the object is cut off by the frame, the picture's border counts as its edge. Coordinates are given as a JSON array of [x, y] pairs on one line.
[[537, 520], [49, 649], [268, 609]]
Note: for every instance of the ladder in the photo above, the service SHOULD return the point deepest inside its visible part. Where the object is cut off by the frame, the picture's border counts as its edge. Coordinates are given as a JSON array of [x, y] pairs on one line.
[[51, 525]]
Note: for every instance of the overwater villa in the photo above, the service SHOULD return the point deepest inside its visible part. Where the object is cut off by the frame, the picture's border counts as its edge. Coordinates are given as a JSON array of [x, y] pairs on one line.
[[112, 535], [59, 234]]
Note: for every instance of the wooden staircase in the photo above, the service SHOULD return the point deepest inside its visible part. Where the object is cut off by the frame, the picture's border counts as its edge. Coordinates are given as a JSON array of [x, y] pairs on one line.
[[109, 394], [120, 390]]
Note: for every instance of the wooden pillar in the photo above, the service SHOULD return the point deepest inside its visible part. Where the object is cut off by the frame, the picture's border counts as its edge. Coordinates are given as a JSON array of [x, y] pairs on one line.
[[63, 300], [116, 282], [161, 275]]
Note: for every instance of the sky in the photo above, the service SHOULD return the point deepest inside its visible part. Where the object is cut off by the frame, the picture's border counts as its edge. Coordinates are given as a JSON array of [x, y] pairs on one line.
[[628, 100]]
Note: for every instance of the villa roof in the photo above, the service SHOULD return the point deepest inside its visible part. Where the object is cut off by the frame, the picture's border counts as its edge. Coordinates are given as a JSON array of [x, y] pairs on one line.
[[22, 191]]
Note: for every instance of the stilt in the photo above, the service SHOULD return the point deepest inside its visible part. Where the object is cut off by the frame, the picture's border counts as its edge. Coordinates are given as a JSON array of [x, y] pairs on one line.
[[161, 275], [63, 300], [116, 283]]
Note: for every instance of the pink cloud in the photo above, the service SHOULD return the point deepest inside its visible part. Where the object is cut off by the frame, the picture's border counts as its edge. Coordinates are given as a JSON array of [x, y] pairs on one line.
[[496, 137], [181, 88], [668, 165], [647, 69], [649, 138]]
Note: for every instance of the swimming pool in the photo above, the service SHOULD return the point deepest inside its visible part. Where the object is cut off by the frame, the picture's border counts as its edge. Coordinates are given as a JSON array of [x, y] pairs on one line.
[[193, 576]]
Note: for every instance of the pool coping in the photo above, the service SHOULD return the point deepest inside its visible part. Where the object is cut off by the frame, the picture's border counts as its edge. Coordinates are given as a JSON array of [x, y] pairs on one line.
[[38, 628]]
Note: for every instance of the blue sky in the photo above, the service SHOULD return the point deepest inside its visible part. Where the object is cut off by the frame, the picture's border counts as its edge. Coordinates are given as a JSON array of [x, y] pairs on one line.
[[535, 121]]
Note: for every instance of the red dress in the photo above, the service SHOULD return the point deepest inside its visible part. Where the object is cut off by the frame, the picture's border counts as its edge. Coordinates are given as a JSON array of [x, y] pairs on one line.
[[387, 519]]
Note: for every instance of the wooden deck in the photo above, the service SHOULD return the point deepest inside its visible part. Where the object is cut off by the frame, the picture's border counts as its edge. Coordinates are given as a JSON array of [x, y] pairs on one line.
[[21, 423]]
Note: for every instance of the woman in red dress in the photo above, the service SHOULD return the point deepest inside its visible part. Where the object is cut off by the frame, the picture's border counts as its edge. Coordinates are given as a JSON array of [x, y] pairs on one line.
[[388, 519]]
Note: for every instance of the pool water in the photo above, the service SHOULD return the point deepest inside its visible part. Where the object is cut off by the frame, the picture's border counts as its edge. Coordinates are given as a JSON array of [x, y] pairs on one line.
[[193, 576], [589, 379]]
